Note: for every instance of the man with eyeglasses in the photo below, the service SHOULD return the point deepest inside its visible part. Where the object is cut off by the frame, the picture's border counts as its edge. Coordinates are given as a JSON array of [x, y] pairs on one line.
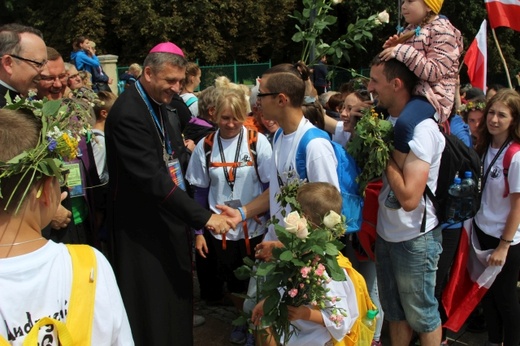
[[74, 81], [53, 78], [22, 58], [52, 85]]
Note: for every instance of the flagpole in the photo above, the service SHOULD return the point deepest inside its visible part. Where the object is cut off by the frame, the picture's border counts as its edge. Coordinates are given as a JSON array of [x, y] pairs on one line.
[[502, 57]]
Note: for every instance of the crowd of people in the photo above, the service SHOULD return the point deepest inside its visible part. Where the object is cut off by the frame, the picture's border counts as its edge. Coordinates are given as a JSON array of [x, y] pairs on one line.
[[165, 171]]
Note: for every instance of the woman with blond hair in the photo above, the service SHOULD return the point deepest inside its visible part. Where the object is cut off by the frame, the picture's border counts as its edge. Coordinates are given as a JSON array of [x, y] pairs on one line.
[[230, 173]]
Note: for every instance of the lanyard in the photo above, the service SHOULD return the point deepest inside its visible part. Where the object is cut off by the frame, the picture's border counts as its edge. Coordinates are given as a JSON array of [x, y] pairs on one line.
[[163, 135], [296, 141], [230, 178], [484, 178]]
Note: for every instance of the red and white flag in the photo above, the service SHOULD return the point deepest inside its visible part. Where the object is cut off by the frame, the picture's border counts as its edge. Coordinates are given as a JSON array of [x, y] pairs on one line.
[[476, 58], [470, 278], [504, 13]]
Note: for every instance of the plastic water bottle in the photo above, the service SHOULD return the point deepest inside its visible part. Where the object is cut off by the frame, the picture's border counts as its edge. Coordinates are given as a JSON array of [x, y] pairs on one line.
[[453, 207], [468, 187], [370, 319]]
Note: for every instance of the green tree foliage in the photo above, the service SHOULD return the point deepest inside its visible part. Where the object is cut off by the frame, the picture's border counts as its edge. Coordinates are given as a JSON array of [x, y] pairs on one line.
[[60, 21], [212, 31], [218, 32]]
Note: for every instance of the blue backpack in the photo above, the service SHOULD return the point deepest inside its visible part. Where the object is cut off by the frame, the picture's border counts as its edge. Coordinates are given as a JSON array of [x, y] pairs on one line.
[[347, 171]]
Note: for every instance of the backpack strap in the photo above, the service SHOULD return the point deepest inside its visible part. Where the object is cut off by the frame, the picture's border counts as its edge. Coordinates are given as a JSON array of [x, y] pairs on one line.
[[208, 146], [80, 315], [301, 151], [277, 134], [252, 140], [506, 163], [191, 101], [64, 336]]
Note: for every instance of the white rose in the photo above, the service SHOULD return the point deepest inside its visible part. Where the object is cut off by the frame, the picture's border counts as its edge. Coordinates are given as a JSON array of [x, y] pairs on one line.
[[302, 223], [335, 2], [332, 219], [303, 232], [383, 17], [291, 222]]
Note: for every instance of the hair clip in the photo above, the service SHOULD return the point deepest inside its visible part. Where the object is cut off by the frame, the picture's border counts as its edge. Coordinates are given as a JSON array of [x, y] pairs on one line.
[[417, 31], [399, 29]]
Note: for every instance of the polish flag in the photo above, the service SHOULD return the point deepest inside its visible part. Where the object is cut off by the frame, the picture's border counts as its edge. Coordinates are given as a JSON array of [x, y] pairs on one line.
[[504, 13], [470, 278], [476, 58]]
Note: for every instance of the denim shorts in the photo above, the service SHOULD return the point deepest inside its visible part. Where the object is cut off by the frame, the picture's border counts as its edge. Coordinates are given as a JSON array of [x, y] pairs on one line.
[[406, 274]]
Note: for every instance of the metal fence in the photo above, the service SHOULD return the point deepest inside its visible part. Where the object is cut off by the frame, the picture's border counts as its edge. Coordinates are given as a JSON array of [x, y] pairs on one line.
[[341, 76], [237, 73], [247, 73]]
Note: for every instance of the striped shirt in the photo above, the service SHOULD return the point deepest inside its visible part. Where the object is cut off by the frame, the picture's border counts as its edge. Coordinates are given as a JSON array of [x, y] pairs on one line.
[[433, 55]]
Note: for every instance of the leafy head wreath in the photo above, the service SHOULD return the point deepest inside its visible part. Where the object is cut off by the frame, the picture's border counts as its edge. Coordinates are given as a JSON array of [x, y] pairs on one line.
[[472, 106], [63, 122]]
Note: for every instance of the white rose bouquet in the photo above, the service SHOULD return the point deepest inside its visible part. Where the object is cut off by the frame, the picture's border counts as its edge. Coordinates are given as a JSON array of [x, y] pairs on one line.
[[299, 270]]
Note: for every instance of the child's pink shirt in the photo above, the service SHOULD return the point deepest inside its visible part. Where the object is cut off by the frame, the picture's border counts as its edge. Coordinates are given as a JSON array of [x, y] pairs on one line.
[[433, 56]]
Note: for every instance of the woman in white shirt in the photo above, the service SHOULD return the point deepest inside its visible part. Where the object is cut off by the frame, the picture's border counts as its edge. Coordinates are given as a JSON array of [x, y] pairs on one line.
[[232, 171], [497, 221]]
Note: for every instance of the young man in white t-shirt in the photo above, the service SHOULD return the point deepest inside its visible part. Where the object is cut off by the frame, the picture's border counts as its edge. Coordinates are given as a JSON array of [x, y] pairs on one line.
[[281, 95], [407, 257]]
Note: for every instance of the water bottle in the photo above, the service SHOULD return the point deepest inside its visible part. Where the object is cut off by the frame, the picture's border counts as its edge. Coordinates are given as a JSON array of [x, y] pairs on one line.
[[370, 319], [454, 201], [468, 187]]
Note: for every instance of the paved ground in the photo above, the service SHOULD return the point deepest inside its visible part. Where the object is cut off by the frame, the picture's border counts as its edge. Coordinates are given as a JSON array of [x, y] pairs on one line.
[[216, 330]]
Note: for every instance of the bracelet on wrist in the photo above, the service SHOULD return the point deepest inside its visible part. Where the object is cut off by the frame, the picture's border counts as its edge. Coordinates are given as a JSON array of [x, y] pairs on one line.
[[198, 231], [506, 241], [242, 214]]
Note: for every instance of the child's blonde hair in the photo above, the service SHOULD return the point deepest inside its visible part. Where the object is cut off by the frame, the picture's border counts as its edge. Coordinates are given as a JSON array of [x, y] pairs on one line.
[[435, 6], [317, 199], [135, 70]]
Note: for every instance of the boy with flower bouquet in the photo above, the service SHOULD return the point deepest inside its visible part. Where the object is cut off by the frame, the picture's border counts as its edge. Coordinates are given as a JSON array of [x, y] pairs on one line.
[[309, 299]]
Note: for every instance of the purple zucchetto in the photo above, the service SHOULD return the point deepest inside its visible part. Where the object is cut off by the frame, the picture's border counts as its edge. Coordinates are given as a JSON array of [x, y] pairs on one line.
[[167, 47]]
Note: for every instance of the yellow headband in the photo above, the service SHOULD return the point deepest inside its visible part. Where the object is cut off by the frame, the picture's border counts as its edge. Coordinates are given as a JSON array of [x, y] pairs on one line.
[[434, 5]]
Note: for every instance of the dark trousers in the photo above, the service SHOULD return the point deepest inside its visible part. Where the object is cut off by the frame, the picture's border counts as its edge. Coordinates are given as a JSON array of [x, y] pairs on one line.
[[210, 283], [501, 305]]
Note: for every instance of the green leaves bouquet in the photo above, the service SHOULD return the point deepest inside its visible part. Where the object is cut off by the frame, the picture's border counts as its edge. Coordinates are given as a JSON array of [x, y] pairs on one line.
[[298, 272], [63, 122], [371, 146]]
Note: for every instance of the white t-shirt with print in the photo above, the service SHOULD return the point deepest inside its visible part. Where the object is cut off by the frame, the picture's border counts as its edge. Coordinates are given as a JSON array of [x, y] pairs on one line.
[[399, 225], [38, 284], [320, 162], [246, 187], [313, 334], [494, 208]]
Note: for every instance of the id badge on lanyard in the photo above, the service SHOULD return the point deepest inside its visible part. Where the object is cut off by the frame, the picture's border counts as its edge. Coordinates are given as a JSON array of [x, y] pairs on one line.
[[74, 181], [174, 167]]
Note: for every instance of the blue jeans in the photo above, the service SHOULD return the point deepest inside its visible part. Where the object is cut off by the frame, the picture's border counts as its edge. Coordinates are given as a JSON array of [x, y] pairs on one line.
[[406, 274]]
